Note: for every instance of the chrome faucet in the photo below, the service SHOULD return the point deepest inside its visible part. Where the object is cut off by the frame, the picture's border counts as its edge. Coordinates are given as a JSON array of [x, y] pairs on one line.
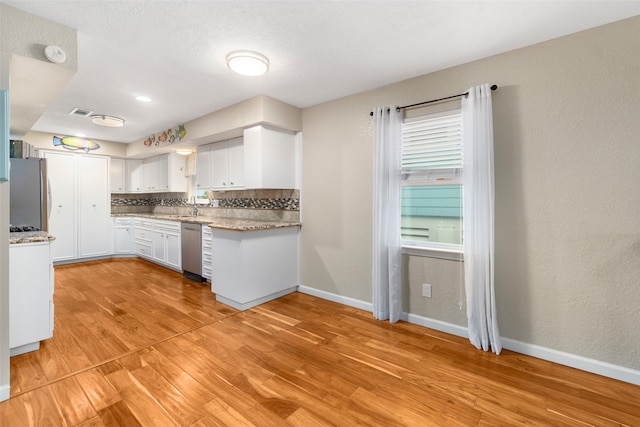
[[195, 207]]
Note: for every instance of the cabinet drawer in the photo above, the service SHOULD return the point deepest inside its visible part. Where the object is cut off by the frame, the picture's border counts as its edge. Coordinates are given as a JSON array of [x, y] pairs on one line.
[[206, 272], [124, 222], [143, 250], [142, 234], [171, 226], [143, 222]]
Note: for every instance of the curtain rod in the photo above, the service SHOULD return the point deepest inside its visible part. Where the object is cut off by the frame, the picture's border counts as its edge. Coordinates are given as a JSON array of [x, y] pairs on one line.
[[493, 87]]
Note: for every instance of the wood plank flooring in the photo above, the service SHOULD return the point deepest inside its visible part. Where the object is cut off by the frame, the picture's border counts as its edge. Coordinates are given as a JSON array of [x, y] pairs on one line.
[[138, 345]]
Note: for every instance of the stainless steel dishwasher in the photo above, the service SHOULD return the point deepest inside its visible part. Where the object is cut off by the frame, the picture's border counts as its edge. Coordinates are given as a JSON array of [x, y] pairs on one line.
[[192, 251]]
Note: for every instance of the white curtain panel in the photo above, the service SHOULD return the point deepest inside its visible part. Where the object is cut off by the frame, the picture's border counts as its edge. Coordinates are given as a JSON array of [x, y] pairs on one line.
[[387, 301], [478, 218]]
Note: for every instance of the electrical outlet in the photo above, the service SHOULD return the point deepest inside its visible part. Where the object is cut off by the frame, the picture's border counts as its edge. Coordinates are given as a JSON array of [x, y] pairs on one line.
[[426, 290]]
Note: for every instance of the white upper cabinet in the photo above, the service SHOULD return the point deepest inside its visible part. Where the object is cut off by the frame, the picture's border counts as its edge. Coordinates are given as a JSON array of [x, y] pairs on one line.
[[227, 164], [134, 176], [203, 162], [117, 173], [269, 158], [164, 173]]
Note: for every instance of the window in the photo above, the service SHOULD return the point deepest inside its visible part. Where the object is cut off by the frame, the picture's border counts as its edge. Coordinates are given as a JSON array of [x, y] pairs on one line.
[[431, 181]]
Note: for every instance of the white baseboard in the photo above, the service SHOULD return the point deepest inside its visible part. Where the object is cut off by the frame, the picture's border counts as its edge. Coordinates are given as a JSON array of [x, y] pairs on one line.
[[5, 392], [351, 302], [572, 360]]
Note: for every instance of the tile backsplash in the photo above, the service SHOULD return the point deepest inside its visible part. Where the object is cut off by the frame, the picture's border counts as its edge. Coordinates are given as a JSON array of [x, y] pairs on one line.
[[270, 205]]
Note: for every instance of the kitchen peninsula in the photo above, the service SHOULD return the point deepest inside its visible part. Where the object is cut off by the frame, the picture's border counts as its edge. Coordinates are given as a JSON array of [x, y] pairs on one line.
[[30, 290], [251, 260]]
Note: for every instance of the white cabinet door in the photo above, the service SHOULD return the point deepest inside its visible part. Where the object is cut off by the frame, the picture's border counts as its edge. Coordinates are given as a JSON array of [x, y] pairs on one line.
[[167, 247], [94, 206], [61, 170], [162, 172], [134, 176], [203, 168], [159, 246], [117, 174], [149, 174], [269, 158], [219, 166], [173, 248], [227, 164], [236, 163], [30, 293], [123, 236]]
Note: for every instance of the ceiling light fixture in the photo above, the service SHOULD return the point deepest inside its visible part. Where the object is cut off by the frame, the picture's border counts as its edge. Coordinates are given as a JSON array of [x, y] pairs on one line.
[[143, 98], [109, 121], [184, 151], [247, 63]]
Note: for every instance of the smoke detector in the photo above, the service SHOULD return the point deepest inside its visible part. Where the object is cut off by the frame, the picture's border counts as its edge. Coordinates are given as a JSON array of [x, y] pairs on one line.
[[55, 54]]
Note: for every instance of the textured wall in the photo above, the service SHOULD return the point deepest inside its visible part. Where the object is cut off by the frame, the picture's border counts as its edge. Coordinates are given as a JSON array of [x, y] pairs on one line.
[[567, 197]]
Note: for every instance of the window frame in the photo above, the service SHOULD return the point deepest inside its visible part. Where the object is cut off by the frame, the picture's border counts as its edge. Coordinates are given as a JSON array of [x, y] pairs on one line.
[[449, 251]]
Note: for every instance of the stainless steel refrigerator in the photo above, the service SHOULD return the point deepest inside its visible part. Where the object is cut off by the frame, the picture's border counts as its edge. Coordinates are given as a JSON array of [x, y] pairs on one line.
[[29, 196]]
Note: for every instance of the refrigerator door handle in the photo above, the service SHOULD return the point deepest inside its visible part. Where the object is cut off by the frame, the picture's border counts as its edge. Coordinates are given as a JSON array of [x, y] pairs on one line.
[[49, 199]]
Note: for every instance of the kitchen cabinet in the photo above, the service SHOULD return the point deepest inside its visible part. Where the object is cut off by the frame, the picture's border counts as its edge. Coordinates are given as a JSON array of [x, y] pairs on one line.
[[117, 174], [269, 158], [30, 296], [253, 267], [164, 173], [80, 205], [227, 164], [123, 233], [143, 237], [134, 176], [167, 244], [61, 171], [94, 207], [207, 252], [203, 167]]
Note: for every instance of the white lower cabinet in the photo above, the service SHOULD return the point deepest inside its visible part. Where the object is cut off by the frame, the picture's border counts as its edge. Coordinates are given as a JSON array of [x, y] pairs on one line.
[[253, 267], [123, 236], [143, 237], [166, 244], [158, 241], [207, 252], [30, 296]]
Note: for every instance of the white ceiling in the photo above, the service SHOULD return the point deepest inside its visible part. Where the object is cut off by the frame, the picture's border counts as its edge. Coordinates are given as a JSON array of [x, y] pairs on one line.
[[174, 51]]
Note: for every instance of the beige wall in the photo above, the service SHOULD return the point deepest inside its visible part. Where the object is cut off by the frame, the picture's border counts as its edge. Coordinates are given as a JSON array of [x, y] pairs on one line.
[[567, 165]]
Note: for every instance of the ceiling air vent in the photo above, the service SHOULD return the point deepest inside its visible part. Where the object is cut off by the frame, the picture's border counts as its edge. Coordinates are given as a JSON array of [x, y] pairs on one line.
[[82, 112]]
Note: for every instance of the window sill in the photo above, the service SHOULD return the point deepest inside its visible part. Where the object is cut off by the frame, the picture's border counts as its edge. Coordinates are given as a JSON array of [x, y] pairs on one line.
[[441, 251]]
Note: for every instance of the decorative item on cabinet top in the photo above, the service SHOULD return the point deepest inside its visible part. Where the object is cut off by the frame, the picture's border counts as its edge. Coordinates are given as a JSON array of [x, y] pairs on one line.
[[75, 143], [169, 136]]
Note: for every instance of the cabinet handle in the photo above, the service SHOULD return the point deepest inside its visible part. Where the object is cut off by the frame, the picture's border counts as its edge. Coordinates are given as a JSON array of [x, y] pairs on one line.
[[231, 182], [94, 206]]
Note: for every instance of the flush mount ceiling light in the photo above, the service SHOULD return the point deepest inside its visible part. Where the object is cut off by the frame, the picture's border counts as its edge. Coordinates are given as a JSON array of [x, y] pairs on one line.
[[184, 151], [247, 63], [109, 121], [143, 98]]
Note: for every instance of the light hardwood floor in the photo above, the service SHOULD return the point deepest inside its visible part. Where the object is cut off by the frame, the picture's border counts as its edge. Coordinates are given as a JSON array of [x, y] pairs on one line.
[[136, 344]]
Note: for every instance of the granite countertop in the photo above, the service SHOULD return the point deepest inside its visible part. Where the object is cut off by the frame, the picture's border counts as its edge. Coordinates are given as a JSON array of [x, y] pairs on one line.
[[30, 237], [236, 224]]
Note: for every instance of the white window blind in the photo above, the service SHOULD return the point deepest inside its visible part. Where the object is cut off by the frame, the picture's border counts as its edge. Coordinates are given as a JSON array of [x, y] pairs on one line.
[[432, 144]]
